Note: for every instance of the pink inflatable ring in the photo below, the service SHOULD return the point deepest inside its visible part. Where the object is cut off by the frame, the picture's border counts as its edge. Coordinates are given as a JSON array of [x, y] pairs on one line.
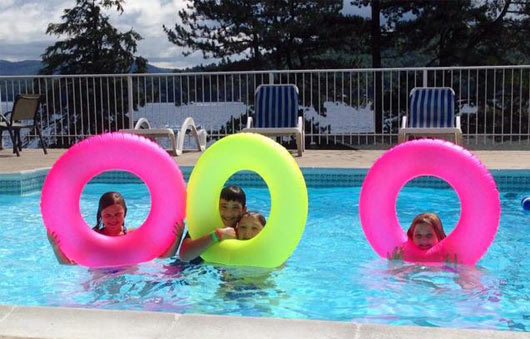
[[474, 185], [115, 151]]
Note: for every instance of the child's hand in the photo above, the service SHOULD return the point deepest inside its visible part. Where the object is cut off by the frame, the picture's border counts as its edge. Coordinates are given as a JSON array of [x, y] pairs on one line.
[[56, 246], [178, 229], [53, 239], [451, 259], [226, 233], [397, 254]]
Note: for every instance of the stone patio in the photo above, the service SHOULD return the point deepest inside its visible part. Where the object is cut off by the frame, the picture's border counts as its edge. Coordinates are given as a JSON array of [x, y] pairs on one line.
[[34, 158]]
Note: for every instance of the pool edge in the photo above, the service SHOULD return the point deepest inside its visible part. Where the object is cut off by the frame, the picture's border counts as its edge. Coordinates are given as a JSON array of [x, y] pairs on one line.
[[31, 181], [62, 322]]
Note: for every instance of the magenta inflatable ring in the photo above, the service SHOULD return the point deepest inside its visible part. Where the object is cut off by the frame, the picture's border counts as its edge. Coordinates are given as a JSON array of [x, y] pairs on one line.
[[64, 184], [474, 185]]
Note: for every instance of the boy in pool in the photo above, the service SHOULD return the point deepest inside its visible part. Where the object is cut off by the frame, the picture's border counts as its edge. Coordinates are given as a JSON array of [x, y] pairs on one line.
[[232, 206], [110, 221]]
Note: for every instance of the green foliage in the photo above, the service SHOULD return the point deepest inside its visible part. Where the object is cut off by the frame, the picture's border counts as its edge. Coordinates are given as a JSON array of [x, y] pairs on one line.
[[269, 33], [93, 45], [449, 33]]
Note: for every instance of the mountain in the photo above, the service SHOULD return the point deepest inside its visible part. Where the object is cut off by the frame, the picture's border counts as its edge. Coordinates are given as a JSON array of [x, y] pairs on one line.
[[26, 67], [32, 67]]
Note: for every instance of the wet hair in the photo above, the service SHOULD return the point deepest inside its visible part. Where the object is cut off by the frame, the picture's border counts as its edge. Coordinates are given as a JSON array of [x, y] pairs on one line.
[[256, 215], [234, 193], [106, 200], [429, 219]]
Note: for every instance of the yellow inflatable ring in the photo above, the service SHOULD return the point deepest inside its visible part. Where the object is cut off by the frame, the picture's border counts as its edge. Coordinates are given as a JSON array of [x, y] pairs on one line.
[[288, 193]]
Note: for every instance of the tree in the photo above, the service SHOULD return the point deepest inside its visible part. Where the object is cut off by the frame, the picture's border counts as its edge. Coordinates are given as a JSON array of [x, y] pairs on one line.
[[269, 33], [382, 38], [468, 32], [93, 46]]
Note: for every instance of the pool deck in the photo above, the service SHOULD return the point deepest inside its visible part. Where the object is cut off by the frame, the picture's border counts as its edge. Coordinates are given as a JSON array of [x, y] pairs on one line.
[[58, 322], [34, 158]]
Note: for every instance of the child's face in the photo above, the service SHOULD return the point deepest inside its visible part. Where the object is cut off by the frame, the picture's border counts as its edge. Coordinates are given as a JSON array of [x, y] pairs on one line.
[[230, 211], [424, 236], [248, 227], [113, 217]]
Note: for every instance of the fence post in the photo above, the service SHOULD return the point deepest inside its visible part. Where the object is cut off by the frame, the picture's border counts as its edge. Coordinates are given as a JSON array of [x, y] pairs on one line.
[[271, 78], [425, 78], [130, 100]]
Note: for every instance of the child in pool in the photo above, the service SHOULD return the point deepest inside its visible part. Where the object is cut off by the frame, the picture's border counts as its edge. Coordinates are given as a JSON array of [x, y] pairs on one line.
[[232, 206], [250, 224], [110, 221], [425, 231]]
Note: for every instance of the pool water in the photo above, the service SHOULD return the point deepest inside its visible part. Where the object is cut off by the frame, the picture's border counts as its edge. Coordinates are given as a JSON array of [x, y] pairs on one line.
[[332, 275]]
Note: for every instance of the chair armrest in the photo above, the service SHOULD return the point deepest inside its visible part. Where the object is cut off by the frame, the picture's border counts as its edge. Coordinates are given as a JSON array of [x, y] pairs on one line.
[[249, 122], [404, 122], [4, 118], [188, 123], [142, 123], [458, 122]]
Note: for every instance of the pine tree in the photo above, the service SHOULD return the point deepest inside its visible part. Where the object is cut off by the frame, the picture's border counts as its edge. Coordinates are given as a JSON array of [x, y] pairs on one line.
[[93, 45], [269, 33]]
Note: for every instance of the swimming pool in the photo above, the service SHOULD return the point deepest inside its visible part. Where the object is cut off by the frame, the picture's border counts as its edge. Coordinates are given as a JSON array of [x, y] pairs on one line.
[[332, 275]]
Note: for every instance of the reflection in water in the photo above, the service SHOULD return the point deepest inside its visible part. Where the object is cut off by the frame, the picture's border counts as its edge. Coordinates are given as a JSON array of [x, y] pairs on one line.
[[467, 277], [430, 295], [154, 286], [249, 291]]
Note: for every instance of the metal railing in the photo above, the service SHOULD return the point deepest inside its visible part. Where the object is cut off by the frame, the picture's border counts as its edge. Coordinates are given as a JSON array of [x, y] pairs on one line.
[[347, 106]]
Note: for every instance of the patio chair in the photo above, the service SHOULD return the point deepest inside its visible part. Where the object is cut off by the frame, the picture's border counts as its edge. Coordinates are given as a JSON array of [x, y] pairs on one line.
[[23, 115], [143, 127], [276, 114], [432, 113]]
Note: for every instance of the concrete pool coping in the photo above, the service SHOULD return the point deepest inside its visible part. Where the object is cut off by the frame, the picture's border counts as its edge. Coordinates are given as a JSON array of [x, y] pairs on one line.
[[61, 322], [31, 159]]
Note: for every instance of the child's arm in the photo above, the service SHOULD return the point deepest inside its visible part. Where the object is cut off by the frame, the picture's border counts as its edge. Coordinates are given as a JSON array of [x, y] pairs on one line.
[[177, 231], [191, 249], [61, 257]]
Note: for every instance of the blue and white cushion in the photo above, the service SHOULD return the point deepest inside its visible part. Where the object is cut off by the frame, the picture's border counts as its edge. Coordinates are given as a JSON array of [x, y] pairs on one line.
[[276, 106], [432, 108]]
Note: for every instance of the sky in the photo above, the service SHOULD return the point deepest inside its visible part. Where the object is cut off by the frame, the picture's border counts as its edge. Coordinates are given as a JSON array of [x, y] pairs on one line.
[[23, 26]]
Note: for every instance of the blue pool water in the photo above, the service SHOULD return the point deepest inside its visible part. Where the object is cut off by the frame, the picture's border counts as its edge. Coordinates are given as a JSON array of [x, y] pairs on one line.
[[332, 275]]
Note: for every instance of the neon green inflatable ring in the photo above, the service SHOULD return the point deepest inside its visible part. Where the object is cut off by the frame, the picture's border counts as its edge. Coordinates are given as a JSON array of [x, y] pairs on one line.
[[288, 193]]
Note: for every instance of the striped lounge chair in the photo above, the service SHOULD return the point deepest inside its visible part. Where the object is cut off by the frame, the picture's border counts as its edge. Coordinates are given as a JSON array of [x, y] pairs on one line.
[[432, 113], [276, 114]]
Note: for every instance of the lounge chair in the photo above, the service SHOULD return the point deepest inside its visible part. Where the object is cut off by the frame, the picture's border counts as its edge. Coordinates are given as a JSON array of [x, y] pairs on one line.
[[432, 113], [23, 115], [276, 114], [143, 127]]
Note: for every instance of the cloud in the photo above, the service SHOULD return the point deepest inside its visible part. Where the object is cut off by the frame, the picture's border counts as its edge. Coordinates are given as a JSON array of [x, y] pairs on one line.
[[26, 21], [147, 18], [23, 26]]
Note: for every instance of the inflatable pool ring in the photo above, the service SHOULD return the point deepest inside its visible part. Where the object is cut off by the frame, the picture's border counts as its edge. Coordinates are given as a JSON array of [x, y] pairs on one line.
[[288, 194], [64, 184], [474, 185]]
